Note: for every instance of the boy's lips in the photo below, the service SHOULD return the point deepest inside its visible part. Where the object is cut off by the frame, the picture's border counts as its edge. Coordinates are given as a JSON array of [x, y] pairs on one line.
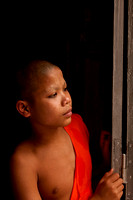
[[68, 113]]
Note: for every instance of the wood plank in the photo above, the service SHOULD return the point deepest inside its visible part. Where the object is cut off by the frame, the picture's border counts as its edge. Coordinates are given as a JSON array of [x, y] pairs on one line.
[[117, 85], [130, 103]]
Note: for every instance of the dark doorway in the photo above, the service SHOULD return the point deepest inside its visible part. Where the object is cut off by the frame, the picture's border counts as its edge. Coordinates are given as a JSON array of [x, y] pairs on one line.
[[80, 40]]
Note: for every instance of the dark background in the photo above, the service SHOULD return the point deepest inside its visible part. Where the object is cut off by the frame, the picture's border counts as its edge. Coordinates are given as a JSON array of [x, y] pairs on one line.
[[79, 39]]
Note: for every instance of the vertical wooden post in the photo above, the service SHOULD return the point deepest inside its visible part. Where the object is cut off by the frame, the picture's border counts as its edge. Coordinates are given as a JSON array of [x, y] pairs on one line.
[[123, 59], [129, 192], [117, 85]]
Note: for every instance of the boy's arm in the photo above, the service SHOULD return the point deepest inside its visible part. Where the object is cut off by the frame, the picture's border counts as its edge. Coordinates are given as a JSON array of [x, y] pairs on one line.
[[110, 187], [24, 179]]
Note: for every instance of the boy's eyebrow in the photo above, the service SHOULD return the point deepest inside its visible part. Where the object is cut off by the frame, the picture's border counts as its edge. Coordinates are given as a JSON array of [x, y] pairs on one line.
[[54, 88]]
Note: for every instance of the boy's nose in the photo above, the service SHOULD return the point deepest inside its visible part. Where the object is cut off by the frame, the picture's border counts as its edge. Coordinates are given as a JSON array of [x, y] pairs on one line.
[[66, 100]]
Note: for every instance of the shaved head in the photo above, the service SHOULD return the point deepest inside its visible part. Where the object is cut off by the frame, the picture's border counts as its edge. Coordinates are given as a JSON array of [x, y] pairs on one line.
[[29, 76]]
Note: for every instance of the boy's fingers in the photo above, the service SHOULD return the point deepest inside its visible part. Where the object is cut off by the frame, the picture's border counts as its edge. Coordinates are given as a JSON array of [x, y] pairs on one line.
[[120, 194], [120, 188], [118, 182], [113, 177], [107, 174]]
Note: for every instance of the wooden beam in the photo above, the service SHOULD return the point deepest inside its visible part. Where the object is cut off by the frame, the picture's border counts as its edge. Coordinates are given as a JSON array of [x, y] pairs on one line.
[[117, 85], [129, 192]]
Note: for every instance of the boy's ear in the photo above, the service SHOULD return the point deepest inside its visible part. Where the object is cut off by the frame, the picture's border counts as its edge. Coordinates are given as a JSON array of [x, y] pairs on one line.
[[23, 108]]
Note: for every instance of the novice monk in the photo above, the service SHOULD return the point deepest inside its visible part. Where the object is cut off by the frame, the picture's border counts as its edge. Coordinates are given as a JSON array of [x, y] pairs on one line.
[[55, 162]]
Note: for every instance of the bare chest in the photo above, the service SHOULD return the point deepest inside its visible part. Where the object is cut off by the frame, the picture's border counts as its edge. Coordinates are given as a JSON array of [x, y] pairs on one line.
[[56, 173]]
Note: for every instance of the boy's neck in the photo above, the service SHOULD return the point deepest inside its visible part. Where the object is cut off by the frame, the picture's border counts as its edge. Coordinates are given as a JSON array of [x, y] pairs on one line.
[[47, 135]]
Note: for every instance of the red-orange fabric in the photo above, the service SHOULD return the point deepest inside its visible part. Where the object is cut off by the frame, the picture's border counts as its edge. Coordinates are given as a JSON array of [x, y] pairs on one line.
[[79, 135]]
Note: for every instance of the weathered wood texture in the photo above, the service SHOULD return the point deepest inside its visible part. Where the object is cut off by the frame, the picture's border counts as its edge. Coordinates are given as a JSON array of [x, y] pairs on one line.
[[129, 192], [117, 105], [117, 85]]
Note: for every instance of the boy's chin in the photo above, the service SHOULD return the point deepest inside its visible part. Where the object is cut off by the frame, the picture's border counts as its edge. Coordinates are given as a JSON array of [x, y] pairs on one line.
[[67, 121]]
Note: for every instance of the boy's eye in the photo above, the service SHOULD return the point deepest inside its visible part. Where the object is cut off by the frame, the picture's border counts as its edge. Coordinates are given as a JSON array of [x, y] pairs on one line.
[[53, 95]]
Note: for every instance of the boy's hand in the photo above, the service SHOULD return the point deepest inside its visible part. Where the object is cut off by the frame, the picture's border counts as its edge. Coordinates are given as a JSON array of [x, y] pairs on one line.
[[110, 187]]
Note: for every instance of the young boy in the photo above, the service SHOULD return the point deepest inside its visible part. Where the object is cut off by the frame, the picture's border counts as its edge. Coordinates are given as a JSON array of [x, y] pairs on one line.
[[55, 162]]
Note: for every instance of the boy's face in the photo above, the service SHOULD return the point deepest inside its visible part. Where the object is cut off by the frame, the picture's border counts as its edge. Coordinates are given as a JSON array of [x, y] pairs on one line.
[[52, 102]]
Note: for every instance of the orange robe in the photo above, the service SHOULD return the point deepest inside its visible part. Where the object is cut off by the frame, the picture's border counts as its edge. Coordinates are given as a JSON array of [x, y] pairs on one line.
[[79, 135]]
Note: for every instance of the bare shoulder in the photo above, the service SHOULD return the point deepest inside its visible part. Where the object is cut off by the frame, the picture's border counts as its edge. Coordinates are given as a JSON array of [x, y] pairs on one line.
[[23, 163], [23, 167], [23, 156]]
